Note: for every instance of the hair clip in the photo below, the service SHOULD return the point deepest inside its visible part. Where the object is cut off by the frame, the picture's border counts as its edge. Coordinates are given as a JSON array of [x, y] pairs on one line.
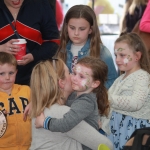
[[54, 63]]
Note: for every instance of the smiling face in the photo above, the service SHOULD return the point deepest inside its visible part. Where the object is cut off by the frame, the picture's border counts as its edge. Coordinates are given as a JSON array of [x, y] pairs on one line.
[[82, 80], [78, 30], [14, 3], [7, 77], [126, 59]]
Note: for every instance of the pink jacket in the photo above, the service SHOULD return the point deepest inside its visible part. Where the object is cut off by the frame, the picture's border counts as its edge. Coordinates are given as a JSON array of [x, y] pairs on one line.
[[145, 21]]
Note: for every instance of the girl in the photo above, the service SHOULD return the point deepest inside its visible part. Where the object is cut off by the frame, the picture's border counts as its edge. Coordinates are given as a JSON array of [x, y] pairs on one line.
[[80, 37], [87, 102], [49, 91], [129, 95]]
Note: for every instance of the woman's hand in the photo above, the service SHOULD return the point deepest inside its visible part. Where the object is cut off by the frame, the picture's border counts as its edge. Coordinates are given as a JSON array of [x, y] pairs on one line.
[[26, 59], [9, 47], [39, 121]]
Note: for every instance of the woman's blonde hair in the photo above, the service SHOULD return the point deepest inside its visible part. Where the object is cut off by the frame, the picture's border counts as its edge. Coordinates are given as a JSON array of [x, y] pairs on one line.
[[45, 90], [85, 12]]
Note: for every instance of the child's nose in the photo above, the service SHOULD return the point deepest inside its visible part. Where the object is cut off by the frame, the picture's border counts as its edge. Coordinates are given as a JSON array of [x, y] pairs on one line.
[[7, 76], [117, 59], [76, 32]]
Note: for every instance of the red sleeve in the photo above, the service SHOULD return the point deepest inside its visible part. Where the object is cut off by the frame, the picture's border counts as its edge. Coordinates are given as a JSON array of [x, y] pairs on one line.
[[59, 13], [145, 21]]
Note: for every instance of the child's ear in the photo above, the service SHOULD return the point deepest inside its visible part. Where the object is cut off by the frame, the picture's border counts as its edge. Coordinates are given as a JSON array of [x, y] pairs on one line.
[[61, 83], [138, 55], [95, 84], [91, 28], [16, 71]]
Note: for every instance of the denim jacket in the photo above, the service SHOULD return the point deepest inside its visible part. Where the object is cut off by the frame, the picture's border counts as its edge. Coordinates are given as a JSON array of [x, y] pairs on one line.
[[105, 56]]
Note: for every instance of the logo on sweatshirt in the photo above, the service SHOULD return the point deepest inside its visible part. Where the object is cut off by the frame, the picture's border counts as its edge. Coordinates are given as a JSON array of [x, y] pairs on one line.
[[3, 124]]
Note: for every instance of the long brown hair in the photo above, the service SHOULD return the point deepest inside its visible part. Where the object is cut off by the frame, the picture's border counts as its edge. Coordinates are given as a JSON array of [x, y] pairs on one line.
[[45, 90], [85, 12], [136, 43], [99, 72]]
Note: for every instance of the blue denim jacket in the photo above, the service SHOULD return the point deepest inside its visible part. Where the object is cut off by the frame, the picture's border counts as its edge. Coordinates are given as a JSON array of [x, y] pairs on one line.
[[105, 56]]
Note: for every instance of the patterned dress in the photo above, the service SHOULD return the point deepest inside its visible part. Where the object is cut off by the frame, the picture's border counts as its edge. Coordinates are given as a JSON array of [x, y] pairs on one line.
[[130, 104]]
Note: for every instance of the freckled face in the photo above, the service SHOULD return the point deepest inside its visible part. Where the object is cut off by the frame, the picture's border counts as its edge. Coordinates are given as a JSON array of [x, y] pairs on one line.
[[125, 57], [82, 79]]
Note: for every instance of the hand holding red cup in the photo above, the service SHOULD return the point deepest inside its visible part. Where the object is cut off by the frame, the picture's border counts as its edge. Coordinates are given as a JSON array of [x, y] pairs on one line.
[[22, 44]]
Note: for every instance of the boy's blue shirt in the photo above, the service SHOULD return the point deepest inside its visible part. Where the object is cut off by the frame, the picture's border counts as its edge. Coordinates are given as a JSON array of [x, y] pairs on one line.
[[105, 56]]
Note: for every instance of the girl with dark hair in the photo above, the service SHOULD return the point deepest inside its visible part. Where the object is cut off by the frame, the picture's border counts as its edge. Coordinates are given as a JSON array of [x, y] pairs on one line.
[[80, 37]]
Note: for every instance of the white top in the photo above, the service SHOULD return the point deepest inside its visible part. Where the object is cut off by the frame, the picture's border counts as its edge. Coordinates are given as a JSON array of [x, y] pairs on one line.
[[75, 49], [82, 133], [131, 96]]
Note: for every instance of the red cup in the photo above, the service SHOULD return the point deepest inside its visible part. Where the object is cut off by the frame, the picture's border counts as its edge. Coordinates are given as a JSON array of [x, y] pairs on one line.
[[22, 44]]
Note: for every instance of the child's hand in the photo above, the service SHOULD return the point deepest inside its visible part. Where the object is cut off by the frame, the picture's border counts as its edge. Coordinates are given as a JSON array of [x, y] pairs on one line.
[[100, 124], [39, 121], [26, 111], [5, 112]]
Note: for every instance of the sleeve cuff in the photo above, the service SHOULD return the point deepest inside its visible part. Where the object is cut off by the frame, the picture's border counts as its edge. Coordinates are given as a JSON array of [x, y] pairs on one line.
[[46, 122]]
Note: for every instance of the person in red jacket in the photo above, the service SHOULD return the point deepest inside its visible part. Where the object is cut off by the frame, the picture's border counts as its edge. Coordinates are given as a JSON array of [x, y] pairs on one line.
[[34, 21]]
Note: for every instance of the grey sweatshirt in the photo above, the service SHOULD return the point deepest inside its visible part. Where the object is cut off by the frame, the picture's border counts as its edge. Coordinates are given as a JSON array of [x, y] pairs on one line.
[[83, 107], [81, 133]]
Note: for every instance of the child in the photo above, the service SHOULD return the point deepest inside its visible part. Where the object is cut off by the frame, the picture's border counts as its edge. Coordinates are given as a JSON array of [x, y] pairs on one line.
[[87, 102], [80, 37], [129, 95], [13, 100], [50, 88]]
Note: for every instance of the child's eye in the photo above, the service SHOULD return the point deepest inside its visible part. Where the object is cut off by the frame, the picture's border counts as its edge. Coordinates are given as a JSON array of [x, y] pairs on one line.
[[2, 73], [11, 73], [82, 29], [81, 77], [72, 28], [122, 55]]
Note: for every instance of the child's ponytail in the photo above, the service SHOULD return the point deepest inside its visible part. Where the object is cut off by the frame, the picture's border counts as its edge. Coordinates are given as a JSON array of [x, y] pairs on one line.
[[102, 100]]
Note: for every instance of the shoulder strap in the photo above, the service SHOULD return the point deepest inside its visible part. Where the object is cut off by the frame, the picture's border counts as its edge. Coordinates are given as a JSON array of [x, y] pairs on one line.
[[12, 26], [14, 29]]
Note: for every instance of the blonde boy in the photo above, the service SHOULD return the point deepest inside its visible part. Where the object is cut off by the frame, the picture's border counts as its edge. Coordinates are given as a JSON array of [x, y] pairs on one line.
[[13, 100]]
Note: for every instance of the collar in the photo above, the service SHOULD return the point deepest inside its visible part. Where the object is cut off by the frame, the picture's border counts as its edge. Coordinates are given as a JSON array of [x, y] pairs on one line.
[[15, 90], [85, 48]]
